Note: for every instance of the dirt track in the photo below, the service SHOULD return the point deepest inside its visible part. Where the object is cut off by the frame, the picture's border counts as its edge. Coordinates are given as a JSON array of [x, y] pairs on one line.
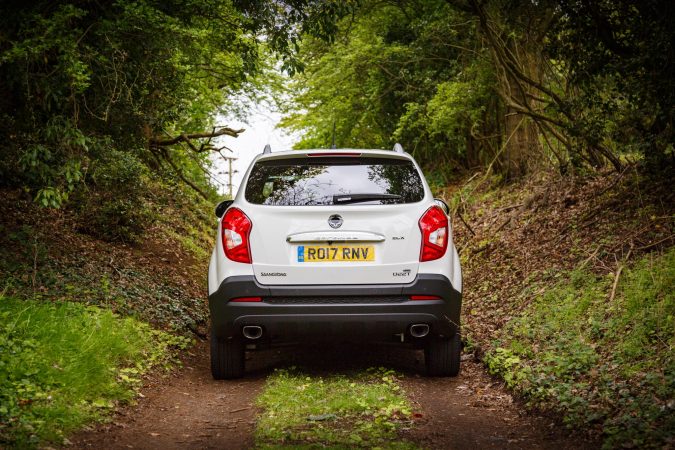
[[191, 411]]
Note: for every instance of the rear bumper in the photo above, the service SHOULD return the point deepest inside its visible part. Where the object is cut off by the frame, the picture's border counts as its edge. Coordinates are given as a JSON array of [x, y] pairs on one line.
[[311, 317]]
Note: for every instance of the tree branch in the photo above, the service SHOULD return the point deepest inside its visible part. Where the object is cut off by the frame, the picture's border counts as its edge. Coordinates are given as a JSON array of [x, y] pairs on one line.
[[158, 149], [157, 142], [180, 174], [508, 100]]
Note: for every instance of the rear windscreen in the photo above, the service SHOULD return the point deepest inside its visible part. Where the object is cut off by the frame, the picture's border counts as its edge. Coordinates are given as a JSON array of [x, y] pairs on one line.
[[329, 181]]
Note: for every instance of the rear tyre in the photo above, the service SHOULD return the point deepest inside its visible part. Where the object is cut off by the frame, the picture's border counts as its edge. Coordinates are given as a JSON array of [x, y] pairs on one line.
[[227, 358], [442, 356]]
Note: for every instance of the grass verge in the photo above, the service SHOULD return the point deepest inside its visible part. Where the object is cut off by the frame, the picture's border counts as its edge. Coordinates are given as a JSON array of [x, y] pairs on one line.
[[361, 411], [603, 363], [66, 364]]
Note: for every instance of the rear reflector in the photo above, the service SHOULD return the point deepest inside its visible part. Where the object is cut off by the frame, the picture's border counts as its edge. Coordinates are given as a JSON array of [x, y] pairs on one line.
[[246, 299], [334, 154], [424, 297]]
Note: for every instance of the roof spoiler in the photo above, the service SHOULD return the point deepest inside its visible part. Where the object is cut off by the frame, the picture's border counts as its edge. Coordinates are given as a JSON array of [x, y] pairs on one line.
[[398, 148]]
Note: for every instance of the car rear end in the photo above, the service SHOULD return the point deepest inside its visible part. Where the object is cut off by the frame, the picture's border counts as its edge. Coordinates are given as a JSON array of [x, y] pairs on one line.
[[339, 245]]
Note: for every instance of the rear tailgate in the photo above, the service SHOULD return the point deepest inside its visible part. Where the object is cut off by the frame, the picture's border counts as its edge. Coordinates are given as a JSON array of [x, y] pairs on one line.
[[373, 201], [376, 244]]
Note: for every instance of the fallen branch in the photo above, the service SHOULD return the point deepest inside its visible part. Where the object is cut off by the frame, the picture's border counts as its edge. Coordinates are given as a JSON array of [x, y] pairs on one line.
[[587, 260], [459, 214], [614, 182], [654, 244], [616, 283], [616, 278], [501, 227], [508, 208], [482, 248]]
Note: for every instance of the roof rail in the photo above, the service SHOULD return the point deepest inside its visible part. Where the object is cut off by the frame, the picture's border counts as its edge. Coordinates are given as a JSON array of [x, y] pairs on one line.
[[267, 149], [398, 148]]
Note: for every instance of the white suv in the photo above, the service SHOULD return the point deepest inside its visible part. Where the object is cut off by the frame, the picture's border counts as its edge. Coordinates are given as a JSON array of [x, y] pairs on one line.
[[335, 245]]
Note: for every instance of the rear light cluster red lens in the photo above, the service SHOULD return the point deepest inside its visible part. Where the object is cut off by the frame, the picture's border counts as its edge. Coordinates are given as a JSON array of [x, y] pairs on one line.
[[434, 227], [236, 229]]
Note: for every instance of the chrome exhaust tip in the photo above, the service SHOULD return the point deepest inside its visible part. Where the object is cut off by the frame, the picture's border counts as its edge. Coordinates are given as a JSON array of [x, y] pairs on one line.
[[419, 330], [252, 332]]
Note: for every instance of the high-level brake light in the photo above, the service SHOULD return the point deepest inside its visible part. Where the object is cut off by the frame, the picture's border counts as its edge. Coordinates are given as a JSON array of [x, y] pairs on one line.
[[334, 154]]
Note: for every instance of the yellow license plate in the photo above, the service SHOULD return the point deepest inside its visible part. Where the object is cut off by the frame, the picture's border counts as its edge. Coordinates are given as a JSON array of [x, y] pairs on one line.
[[327, 253]]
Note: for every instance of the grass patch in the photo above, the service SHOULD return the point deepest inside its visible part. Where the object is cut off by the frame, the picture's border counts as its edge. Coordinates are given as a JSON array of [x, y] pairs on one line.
[[364, 410], [607, 364], [65, 364]]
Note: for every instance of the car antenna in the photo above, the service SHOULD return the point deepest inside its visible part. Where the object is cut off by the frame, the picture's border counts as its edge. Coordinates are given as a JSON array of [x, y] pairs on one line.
[[333, 146]]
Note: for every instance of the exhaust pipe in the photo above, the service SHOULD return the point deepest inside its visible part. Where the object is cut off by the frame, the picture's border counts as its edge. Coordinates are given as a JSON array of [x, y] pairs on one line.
[[252, 332], [419, 330]]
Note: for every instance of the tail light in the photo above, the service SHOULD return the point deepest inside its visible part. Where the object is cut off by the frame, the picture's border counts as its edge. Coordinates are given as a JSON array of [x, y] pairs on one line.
[[236, 228], [434, 227]]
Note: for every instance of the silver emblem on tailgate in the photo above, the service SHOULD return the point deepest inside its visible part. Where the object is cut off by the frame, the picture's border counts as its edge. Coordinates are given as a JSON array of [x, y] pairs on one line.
[[335, 221]]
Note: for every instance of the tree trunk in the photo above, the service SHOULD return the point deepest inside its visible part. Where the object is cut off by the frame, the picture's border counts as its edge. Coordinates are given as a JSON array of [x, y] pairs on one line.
[[523, 149]]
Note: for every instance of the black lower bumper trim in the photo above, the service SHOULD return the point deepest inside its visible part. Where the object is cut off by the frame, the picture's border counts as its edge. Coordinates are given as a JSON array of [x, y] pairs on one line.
[[310, 311]]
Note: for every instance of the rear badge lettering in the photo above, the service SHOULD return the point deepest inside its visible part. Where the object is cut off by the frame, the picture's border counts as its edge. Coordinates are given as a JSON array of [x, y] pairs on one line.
[[272, 274], [404, 273]]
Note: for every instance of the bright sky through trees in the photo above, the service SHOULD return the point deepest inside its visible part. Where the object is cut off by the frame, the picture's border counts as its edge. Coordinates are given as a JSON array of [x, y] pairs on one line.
[[260, 130]]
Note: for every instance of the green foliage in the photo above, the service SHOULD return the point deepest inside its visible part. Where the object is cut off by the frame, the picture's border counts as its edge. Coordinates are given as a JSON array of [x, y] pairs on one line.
[[76, 77], [78, 74], [389, 78], [446, 126], [115, 206], [509, 85], [362, 411], [599, 362], [623, 70], [65, 364], [54, 161]]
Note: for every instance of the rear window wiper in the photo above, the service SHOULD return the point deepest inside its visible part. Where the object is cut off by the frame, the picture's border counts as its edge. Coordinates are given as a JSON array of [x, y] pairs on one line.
[[343, 199]]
